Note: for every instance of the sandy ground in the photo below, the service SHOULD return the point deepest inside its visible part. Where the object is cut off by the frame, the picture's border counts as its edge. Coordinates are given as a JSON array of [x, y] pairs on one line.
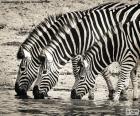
[[18, 18]]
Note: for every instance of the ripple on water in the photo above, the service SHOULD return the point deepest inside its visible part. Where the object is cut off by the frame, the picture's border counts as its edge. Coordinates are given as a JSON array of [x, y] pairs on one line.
[[58, 106]]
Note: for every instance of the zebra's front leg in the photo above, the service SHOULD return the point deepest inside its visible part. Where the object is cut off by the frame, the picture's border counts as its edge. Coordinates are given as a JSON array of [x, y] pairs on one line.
[[106, 74], [91, 94]]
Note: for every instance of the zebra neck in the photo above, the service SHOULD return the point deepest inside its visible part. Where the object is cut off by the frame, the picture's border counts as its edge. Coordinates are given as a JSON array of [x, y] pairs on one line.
[[33, 48], [55, 56]]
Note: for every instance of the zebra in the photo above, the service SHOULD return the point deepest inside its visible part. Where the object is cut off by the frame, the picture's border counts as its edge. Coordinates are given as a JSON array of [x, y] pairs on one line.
[[120, 43], [105, 74], [83, 33], [38, 39]]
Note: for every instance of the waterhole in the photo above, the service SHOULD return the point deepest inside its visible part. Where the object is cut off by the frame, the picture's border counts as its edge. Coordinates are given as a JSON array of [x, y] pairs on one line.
[[60, 104]]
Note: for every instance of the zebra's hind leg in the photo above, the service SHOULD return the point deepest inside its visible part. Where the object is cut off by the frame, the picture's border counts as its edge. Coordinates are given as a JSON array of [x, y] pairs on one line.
[[127, 65], [107, 74], [122, 85], [134, 78]]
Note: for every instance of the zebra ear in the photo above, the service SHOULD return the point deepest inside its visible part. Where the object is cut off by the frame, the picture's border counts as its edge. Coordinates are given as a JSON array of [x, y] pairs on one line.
[[86, 64], [80, 62], [45, 55], [20, 54], [49, 56], [23, 53], [83, 63], [27, 54]]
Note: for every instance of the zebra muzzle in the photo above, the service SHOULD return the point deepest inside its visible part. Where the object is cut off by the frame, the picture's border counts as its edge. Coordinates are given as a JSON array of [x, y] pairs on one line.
[[37, 94], [20, 91], [74, 95]]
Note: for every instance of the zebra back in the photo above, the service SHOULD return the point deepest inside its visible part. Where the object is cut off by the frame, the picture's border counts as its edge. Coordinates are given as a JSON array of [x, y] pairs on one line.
[[42, 34]]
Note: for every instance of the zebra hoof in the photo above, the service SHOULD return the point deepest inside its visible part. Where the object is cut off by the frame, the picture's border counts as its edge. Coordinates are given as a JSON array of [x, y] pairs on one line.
[[20, 92], [37, 94], [122, 98], [110, 96], [91, 97], [111, 92], [135, 99]]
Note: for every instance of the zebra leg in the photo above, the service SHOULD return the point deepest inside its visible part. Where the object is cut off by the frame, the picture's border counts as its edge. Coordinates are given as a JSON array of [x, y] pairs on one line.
[[127, 66], [106, 74], [91, 94], [121, 85], [134, 78], [123, 95]]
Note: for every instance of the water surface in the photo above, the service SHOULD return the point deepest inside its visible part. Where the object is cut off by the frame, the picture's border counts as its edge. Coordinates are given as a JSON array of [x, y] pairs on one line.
[[60, 105]]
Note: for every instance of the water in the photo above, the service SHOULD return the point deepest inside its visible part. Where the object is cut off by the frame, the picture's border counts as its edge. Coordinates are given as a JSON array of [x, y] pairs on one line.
[[60, 104]]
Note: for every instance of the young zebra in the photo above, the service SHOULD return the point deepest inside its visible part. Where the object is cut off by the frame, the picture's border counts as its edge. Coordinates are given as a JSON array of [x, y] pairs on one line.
[[38, 39], [77, 38], [120, 44]]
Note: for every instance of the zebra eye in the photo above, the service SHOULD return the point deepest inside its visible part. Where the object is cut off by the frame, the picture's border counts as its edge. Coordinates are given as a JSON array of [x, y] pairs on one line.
[[45, 71], [81, 77]]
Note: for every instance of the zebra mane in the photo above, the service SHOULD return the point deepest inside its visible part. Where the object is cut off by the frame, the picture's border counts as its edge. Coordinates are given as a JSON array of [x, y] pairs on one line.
[[65, 29], [67, 26], [50, 20], [47, 23]]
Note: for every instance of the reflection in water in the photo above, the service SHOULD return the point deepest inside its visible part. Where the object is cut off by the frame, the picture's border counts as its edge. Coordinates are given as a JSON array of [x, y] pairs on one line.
[[9, 104]]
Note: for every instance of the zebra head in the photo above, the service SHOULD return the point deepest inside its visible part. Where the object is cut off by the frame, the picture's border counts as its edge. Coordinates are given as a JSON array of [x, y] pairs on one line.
[[27, 72], [84, 83], [47, 78]]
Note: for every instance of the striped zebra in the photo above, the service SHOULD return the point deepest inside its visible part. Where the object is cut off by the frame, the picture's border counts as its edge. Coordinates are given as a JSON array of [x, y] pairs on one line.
[[38, 39], [77, 38], [106, 75], [121, 44]]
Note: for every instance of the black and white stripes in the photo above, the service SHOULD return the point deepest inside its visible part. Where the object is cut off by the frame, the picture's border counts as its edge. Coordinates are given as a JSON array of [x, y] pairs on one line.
[[116, 45], [90, 31], [39, 38]]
